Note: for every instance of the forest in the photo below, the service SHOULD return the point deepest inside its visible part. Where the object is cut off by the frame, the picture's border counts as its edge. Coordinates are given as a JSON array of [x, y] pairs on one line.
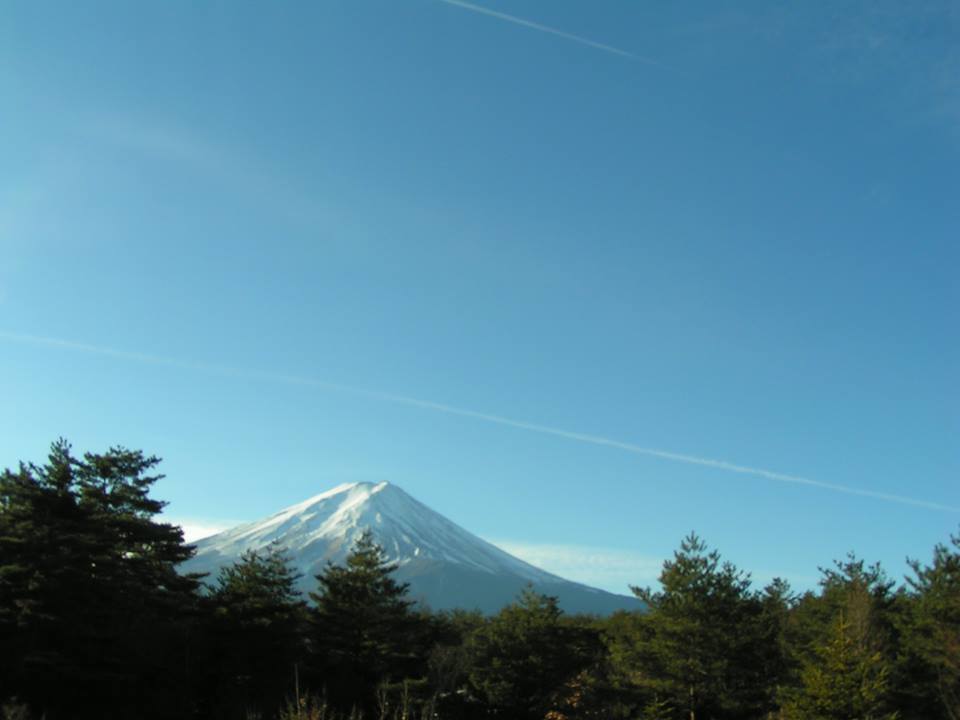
[[96, 622]]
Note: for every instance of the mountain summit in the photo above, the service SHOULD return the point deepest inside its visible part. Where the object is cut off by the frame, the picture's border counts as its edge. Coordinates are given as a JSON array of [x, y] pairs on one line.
[[446, 566]]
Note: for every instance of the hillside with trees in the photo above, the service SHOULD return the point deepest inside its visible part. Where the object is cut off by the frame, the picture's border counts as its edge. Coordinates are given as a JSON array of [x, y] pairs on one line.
[[96, 622]]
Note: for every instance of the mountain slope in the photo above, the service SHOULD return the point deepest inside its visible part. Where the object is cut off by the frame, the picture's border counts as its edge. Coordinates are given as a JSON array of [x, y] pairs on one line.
[[446, 566]]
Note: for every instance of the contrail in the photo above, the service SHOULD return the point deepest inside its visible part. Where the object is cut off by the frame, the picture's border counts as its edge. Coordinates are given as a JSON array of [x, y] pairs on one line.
[[462, 412], [547, 29]]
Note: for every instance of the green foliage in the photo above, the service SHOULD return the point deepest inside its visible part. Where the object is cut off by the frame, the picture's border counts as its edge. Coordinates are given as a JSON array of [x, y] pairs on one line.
[[257, 628], [95, 622], [703, 647], [847, 681], [526, 653], [364, 631], [259, 591], [771, 631], [90, 602], [843, 646], [449, 660], [657, 709], [932, 629]]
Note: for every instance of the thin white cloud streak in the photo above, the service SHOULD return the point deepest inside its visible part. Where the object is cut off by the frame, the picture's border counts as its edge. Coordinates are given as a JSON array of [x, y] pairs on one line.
[[485, 417], [551, 30]]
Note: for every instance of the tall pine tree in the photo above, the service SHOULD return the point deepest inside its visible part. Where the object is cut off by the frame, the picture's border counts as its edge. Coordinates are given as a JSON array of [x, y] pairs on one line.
[[364, 630], [94, 616], [932, 629], [526, 659], [703, 645], [257, 623], [846, 680], [844, 644]]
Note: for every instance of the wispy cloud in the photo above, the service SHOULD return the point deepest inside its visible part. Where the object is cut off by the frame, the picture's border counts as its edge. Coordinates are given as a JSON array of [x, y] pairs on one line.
[[197, 156], [194, 530], [605, 568], [485, 417], [616, 570], [550, 30]]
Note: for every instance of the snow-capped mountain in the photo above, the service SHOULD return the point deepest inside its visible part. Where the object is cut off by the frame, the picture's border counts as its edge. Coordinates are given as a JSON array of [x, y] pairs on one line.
[[446, 566]]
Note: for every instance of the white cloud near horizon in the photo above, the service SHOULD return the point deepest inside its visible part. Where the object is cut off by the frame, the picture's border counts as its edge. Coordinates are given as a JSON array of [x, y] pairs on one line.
[[615, 570], [585, 438], [605, 568], [197, 529]]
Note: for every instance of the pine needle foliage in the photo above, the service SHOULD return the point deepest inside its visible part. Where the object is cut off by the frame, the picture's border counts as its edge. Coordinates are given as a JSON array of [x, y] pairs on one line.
[[932, 632], [90, 600], [364, 630], [703, 644]]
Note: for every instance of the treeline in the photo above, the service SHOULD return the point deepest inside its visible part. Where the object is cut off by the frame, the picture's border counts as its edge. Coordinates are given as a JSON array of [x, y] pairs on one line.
[[95, 622]]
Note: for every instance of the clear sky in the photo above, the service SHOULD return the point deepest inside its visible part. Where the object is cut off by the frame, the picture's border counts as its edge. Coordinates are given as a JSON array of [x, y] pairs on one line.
[[267, 242]]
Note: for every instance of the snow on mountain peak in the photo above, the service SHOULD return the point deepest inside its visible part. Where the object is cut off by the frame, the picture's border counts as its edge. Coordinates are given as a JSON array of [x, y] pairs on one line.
[[445, 566], [326, 526]]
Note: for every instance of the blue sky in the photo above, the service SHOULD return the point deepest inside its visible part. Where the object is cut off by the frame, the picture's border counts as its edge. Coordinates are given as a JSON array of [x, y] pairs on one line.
[[724, 232]]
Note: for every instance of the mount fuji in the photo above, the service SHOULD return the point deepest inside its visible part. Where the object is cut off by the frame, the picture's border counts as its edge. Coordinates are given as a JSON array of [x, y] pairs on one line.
[[446, 566]]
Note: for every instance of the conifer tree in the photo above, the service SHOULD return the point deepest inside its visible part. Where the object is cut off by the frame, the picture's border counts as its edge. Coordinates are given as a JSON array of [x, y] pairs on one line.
[[91, 605], [526, 656], [258, 621], [777, 603], [846, 681], [932, 628], [364, 630], [844, 644], [702, 649]]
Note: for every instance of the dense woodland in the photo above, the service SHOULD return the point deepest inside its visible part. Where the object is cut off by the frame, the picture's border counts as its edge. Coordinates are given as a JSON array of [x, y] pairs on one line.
[[95, 622]]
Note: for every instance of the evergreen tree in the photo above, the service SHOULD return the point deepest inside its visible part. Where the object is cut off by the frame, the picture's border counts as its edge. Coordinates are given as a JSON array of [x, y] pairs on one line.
[[626, 636], [932, 630], [364, 631], [525, 655], [702, 649], [844, 645], [93, 611], [450, 660], [847, 681], [777, 603], [257, 625]]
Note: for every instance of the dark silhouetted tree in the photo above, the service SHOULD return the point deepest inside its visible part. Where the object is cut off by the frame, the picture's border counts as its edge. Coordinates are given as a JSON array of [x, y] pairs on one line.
[[364, 633], [94, 616], [258, 623], [527, 659]]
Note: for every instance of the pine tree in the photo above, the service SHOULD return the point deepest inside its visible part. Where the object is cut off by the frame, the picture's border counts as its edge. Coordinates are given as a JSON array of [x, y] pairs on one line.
[[777, 603], [844, 644], [257, 626], [932, 628], [846, 681], [526, 657], [91, 606], [702, 649], [364, 631]]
